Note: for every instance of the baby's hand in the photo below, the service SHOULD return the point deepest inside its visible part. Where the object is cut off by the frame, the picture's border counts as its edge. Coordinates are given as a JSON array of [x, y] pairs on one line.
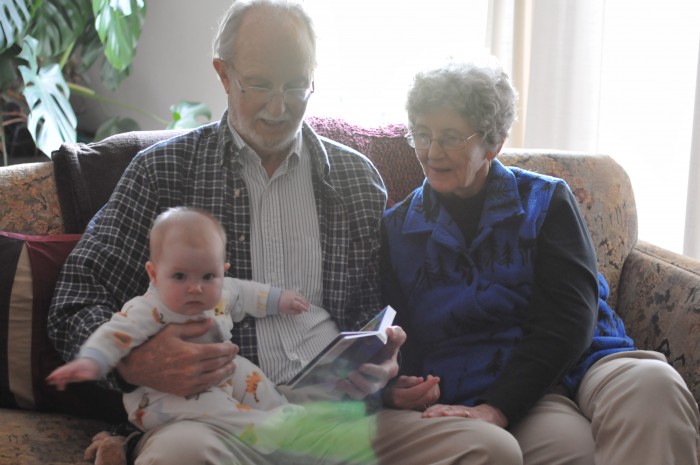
[[82, 369], [292, 303]]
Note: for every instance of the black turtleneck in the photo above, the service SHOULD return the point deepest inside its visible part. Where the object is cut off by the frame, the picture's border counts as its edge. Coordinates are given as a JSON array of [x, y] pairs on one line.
[[465, 212]]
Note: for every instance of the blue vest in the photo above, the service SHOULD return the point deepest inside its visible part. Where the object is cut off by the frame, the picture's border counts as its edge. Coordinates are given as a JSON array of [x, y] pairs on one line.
[[467, 304]]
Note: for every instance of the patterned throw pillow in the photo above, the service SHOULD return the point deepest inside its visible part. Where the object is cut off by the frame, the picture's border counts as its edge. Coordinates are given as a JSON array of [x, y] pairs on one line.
[[30, 268]]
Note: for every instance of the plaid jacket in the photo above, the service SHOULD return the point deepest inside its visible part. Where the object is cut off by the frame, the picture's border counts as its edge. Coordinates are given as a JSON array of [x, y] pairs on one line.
[[202, 169]]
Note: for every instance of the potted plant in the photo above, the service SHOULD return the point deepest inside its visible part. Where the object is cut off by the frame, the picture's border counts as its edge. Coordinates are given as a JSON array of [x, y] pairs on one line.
[[46, 49]]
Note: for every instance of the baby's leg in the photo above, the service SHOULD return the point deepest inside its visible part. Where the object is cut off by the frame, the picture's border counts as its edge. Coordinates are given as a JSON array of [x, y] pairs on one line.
[[265, 430], [249, 385]]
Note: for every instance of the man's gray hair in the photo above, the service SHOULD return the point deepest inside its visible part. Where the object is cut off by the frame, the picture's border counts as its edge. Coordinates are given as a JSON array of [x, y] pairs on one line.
[[483, 94], [223, 46]]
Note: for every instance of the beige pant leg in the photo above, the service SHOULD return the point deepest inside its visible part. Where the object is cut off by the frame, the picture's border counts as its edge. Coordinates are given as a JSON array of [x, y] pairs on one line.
[[641, 411], [555, 432], [195, 443], [327, 433], [404, 438], [391, 437]]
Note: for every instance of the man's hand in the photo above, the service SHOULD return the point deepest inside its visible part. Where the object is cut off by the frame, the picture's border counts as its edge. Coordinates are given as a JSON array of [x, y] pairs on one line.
[[371, 377], [412, 392], [168, 363]]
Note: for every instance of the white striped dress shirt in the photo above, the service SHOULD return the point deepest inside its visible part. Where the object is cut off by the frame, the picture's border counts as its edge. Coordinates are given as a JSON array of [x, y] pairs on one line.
[[286, 252]]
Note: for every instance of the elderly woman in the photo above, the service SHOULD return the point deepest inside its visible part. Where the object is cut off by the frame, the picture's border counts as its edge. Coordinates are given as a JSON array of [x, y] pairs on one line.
[[494, 277]]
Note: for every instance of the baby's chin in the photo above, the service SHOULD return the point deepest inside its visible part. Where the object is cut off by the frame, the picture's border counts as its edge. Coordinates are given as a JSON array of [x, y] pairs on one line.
[[194, 308]]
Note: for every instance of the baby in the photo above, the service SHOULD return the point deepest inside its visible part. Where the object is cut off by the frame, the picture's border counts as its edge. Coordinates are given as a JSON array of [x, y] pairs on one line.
[[186, 271]]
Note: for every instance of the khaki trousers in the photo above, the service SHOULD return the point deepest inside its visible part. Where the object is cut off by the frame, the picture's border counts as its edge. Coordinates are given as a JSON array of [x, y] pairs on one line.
[[631, 408], [397, 437]]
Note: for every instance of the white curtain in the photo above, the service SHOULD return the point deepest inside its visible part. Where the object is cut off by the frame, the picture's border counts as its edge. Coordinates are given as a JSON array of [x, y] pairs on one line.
[[691, 242], [593, 77], [555, 62]]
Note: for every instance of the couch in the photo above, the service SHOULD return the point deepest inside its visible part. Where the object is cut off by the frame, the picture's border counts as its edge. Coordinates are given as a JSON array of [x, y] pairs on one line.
[[45, 206]]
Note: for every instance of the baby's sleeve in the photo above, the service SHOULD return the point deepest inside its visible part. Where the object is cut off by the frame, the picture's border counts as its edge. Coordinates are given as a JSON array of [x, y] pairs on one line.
[[252, 298], [132, 326]]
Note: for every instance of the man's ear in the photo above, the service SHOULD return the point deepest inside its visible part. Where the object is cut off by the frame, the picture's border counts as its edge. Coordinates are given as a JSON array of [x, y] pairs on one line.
[[227, 265], [151, 270], [222, 70]]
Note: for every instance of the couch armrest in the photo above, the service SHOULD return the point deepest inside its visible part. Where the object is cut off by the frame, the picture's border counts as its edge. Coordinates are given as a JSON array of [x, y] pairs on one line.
[[28, 200], [659, 301]]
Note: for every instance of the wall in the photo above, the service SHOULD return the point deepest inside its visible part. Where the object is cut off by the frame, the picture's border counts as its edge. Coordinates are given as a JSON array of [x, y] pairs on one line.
[[172, 63]]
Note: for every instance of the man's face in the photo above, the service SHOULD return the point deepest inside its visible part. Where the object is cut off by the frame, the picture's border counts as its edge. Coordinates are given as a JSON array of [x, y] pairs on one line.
[[275, 54]]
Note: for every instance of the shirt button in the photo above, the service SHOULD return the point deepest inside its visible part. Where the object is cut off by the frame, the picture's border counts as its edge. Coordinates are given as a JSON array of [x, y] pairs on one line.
[[237, 193], [245, 324], [241, 238]]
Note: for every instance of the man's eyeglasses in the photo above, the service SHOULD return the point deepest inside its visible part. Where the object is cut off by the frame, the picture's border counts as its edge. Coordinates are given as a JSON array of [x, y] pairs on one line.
[[262, 95], [422, 141]]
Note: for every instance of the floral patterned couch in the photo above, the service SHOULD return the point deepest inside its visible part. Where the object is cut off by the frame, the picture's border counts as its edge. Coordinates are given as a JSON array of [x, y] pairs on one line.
[[44, 207]]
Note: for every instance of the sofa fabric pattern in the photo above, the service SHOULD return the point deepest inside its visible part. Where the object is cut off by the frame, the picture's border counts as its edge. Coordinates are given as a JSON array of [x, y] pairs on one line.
[[33, 438], [28, 202], [659, 302]]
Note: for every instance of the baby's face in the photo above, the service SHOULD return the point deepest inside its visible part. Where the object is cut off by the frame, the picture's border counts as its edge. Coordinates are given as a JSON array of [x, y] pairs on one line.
[[189, 278]]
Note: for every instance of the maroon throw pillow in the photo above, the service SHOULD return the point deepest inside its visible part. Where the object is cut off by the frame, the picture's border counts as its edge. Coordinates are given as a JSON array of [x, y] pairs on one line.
[[30, 268]]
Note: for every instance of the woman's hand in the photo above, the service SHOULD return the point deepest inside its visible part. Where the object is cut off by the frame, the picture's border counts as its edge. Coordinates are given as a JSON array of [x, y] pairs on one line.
[[412, 392], [482, 412], [168, 363], [371, 377]]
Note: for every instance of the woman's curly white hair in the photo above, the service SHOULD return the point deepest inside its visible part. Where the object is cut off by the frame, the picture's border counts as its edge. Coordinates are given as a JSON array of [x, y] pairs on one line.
[[483, 94]]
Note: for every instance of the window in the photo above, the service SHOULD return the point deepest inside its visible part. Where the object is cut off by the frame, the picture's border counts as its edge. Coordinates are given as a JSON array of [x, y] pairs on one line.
[[634, 100], [368, 51], [650, 53]]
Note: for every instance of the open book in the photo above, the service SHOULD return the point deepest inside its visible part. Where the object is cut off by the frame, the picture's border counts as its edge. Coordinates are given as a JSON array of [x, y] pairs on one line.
[[346, 352]]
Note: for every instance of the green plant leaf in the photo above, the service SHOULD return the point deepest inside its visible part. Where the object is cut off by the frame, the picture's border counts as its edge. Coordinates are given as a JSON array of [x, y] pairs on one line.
[[90, 48], [119, 23], [51, 119], [57, 24], [110, 77], [189, 115], [115, 125], [14, 20]]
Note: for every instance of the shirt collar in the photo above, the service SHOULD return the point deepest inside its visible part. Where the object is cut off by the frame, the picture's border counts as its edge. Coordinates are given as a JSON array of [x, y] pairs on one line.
[[501, 201]]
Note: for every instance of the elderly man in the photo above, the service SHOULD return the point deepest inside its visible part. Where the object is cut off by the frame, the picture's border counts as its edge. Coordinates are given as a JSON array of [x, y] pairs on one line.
[[300, 213]]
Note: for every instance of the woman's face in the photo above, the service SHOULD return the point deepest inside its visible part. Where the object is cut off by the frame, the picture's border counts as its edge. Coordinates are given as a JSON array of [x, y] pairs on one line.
[[461, 172]]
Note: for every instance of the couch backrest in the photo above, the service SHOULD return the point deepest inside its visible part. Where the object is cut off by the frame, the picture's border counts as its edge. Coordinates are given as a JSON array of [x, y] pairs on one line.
[[86, 174], [28, 201]]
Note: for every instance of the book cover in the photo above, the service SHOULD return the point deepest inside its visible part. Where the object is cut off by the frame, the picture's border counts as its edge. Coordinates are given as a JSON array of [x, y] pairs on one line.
[[346, 352]]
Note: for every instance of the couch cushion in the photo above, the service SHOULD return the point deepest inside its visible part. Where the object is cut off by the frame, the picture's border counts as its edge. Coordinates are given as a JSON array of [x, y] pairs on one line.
[[27, 279], [86, 174], [32, 438]]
